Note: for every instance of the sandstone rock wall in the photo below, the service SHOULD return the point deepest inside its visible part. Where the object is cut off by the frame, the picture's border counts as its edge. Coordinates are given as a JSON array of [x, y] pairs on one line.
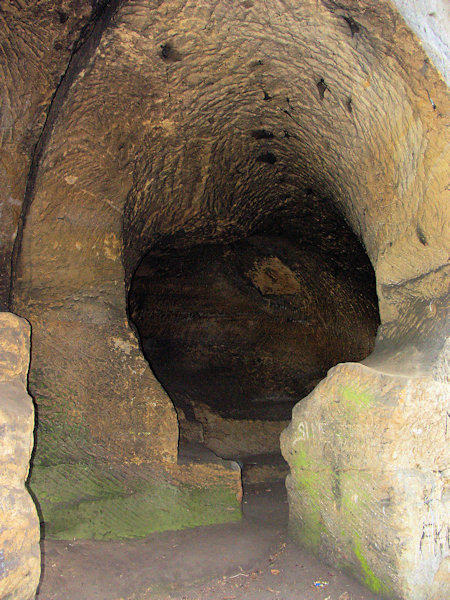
[[232, 438], [19, 531], [430, 20], [249, 328], [37, 40], [369, 484], [173, 157], [191, 123]]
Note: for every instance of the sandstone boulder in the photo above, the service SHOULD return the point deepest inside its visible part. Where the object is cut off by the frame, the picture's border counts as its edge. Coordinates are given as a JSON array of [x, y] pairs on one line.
[[19, 531], [369, 481]]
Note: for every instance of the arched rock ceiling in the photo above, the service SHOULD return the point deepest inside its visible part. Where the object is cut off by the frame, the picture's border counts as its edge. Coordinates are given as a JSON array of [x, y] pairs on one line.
[[201, 118], [331, 86]]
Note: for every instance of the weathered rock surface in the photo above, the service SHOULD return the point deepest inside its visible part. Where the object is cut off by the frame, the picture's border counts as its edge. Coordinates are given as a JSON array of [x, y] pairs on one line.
[[19, 530], [252, 326], [111, 501], [110, 470], [369, 487], [37, 40], [237, 437], [188, 124]]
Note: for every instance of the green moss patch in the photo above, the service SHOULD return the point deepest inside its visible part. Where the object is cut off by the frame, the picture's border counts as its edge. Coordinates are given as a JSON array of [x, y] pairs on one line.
[[308, 530], [367, 575], [356, 400], [313, 480], [81, 501]]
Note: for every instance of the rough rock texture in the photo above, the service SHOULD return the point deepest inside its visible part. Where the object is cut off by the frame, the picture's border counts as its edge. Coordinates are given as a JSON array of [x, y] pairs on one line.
[[264, 468], [19, 531], [37, 40], [108, 468], [430, 19], [122, 501], [187, 123], [232, 438], [369, 487], [249, 328]]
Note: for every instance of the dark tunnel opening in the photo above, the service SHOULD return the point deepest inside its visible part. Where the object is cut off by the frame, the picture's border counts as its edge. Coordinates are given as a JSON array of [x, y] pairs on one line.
[[238, 331], [220, 180]]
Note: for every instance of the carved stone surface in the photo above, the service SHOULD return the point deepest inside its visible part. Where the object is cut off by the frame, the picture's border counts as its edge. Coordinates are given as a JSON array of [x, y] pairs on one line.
[[19, 531], [369, 481], [37, 40], [183, 123]]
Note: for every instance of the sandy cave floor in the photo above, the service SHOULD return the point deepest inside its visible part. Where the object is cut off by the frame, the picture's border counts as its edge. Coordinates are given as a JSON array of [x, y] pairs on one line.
[[253, 559]]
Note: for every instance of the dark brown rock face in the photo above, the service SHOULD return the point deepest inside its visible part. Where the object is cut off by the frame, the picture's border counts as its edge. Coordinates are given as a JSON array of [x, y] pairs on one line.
[[249, 328], [181, 125]]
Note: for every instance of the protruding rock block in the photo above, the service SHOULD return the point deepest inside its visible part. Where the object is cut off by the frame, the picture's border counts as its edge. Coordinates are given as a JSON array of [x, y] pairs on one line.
[[96, 395], [124, 501], [237, 437], [19, 523], [369, 486], [105, 464]]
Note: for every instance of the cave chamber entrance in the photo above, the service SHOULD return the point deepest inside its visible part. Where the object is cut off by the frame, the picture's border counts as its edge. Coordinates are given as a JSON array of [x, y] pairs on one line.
[[209, 201], [238, 331]]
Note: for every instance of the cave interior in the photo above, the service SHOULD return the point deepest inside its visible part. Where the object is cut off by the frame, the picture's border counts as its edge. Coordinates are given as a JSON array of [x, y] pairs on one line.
[[246, 328], [228, 233]]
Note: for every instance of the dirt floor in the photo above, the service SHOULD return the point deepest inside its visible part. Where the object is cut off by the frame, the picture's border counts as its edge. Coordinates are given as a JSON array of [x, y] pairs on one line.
[[253, 559]]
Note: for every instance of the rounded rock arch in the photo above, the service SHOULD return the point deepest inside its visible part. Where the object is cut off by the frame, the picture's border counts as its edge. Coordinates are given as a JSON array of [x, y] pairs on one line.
[[355, 111]]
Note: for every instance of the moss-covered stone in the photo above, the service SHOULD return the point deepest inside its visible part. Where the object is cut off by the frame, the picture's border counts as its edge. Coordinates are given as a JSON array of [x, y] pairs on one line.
[[100, 504], [356, 399], [360, 487], [374, 583], [309, 530], [312, 480]]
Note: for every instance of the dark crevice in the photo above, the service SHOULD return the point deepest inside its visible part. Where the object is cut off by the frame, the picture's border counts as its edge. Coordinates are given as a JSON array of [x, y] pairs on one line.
[[249, 327]]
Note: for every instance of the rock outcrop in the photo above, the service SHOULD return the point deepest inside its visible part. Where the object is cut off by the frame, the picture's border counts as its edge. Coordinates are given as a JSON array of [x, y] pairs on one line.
[[369, 485], [19, 530], [177, 124]]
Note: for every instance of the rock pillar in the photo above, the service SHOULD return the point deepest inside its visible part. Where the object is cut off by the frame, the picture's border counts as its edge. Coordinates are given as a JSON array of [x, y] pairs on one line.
[[369, 481], [19, 523]]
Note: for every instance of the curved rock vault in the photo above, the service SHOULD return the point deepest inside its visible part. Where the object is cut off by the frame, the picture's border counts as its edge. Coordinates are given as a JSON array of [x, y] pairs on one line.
[[285, 138]]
